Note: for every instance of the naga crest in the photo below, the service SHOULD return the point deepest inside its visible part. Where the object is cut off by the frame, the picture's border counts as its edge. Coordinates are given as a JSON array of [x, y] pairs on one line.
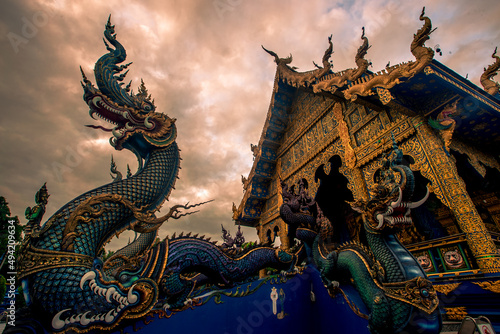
[[136, 124], [389, 205]]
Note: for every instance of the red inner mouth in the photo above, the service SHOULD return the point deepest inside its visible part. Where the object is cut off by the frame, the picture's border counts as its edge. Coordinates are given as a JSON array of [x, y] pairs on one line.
[[399, 211], [106, 115]]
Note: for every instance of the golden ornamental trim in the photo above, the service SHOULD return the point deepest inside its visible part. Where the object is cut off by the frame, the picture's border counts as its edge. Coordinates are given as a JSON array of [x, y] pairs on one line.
[[371, 150], [32, 260], [493, 286], [349, 155], [456, 313], [428, 70], [93, 207], [384, 95], [446, 288], [308, 121], [418, 292]]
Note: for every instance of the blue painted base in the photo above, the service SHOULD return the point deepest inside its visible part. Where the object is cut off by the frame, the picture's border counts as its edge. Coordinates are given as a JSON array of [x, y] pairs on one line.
[[295, 312], [475, 300]]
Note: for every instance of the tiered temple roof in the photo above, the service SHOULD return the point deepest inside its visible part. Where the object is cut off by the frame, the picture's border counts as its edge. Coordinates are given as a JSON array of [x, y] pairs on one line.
[[420, 87]]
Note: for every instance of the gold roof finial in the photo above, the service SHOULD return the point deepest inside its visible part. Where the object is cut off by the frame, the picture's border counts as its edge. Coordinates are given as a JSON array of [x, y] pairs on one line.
[[359, 59], [489, 85]]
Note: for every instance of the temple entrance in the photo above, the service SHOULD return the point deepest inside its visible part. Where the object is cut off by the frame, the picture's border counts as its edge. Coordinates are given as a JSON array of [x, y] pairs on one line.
[[482, 184], [331, 197]]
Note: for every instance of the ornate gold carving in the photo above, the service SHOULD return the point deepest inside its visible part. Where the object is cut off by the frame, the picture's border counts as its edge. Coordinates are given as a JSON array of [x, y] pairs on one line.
[[292, 77], [389, 77], [369, 131], [456, 313], [446, 288], [418, 292], [310, 117], [381, 142], [445, 124], [237, 211], [331, 82], [94, 207], [493, 286], [255, 150], [449, 188], [409, 235], [384, 95], [292, 165], [32, 260], [357, 184], [122, 262], [244, 182], [487, 82], [349, 156]]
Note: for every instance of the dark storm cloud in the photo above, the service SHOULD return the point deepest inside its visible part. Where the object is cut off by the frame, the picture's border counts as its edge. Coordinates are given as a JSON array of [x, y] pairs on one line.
[[203, 64]]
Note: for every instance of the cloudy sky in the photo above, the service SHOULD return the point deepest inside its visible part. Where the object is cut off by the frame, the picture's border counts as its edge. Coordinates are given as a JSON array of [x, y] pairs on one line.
[[203, 63]]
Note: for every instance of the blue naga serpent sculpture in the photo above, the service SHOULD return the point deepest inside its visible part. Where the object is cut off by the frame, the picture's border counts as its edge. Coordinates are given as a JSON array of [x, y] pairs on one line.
[[67, 286], [388, 278]]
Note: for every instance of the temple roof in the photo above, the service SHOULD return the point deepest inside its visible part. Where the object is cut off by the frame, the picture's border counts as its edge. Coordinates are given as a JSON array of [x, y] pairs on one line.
[[422, 87]]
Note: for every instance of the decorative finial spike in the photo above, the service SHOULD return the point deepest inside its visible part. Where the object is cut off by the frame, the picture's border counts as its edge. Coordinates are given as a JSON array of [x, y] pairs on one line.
[[115, 171], [87, 80]]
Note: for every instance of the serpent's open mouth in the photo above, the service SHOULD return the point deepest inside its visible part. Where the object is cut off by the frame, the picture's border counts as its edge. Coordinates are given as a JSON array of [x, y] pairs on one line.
[[398, 212]]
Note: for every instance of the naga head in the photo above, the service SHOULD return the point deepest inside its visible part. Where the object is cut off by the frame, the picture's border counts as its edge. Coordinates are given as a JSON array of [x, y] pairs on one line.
[[390, 202], [135, 123]]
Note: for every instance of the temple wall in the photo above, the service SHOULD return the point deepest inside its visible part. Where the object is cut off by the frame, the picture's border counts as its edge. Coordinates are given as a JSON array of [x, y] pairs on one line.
[[359, 133]]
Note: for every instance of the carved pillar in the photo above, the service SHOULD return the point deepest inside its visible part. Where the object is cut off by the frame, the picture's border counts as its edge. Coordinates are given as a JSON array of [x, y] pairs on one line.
[[349, 155], [360, 192], [357, 184], [449, 187], [283, 234]]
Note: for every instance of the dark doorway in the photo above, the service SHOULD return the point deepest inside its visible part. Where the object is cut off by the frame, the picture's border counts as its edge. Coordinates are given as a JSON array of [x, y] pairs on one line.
[[331, 197]]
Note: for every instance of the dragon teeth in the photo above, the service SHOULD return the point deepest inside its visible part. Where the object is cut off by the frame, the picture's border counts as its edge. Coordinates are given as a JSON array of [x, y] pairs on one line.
[[108, 293]]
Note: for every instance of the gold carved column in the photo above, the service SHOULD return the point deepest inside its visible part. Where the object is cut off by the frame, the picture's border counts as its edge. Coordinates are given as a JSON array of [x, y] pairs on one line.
[[357, 180], [357, 183], [450, 189]]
